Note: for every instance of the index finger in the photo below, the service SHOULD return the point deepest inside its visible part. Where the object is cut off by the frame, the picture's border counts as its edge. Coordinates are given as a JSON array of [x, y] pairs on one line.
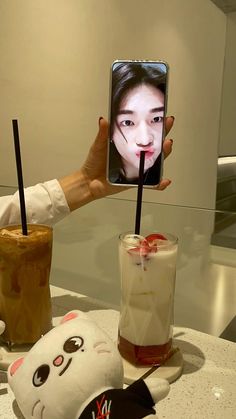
[[169, 122]]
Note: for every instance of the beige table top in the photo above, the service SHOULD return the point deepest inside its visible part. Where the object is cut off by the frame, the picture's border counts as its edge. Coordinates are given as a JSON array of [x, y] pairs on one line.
[[206, 388]]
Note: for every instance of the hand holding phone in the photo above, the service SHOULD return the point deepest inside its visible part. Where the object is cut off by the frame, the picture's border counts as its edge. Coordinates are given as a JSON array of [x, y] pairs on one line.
[[137, 113]]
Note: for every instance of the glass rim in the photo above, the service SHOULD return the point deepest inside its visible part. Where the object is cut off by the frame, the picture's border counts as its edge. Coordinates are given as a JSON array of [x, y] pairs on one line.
[[45, 230], [172, 238], [19, 225]]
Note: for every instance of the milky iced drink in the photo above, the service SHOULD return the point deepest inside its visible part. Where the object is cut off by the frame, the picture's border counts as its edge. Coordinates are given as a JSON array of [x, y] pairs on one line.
[[148, 267], [25, 303]]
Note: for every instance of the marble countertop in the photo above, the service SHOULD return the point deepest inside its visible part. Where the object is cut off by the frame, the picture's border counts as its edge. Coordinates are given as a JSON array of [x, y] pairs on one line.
[[206, 388]]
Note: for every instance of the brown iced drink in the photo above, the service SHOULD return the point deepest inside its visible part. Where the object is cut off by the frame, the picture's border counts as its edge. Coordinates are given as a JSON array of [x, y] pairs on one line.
[[25, 302]]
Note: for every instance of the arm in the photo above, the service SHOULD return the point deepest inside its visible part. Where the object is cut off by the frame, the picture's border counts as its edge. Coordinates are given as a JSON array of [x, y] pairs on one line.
[[45, 204], [49, 202]]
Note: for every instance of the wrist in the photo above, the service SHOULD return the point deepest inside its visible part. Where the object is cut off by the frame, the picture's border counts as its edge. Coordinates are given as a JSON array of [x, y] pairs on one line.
[[76, 189]]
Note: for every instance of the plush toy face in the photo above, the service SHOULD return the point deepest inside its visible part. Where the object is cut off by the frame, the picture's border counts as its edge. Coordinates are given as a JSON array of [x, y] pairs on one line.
[[65, 368]]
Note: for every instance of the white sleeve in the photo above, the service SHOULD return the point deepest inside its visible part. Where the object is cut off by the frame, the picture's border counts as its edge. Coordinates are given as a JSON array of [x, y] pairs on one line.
[[45, 204]]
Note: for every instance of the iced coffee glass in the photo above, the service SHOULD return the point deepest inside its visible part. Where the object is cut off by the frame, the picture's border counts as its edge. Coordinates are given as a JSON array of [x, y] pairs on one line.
[[148, 268], [25, 303]]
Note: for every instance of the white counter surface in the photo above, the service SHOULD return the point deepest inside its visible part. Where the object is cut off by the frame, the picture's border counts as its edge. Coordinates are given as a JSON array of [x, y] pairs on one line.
[[206, 389]]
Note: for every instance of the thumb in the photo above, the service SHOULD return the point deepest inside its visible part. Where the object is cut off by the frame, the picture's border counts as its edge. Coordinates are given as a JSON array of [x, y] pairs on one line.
[[102, 135]]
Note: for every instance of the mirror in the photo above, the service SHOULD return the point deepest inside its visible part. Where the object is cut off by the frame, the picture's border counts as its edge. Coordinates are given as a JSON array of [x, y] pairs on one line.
[[225, 223]]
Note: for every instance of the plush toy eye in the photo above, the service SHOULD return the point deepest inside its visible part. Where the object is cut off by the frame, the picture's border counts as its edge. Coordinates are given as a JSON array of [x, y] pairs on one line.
[[73, 344], [41, 375]]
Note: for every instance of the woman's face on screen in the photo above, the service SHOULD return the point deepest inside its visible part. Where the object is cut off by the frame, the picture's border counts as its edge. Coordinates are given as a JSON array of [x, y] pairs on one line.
[[139, 126]]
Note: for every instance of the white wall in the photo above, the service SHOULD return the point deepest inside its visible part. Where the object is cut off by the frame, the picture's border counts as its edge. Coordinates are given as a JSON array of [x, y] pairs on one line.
[[227, 143], [54, 74]]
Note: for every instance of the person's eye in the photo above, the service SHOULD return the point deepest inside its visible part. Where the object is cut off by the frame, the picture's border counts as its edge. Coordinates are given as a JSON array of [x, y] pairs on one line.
[[73, 344], [157, 119], [126, 123]]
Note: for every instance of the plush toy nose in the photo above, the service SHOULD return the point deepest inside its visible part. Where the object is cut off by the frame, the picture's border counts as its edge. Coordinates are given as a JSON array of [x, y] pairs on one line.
[[58, 361]]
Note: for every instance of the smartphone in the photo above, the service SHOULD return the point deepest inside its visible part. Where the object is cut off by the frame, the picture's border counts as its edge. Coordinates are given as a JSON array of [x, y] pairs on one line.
[[138, 101]]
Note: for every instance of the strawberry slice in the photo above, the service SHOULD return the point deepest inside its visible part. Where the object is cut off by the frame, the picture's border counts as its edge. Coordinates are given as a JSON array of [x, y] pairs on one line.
[[139, 254], [140, 251], [155, 236], [153, 240]]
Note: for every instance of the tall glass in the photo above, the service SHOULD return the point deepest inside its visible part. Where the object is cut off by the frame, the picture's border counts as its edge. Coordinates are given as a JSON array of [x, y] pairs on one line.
[[148, 269], [25, 302]]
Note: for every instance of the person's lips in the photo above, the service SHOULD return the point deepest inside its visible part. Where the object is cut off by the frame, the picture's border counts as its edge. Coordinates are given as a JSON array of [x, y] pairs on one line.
[[148, 153]]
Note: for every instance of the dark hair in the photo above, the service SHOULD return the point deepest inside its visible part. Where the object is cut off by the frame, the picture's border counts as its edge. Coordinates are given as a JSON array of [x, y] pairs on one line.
[[129, 75]]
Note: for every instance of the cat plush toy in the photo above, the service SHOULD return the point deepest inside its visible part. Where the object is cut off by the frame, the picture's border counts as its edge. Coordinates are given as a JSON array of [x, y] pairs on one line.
[[75, 372]]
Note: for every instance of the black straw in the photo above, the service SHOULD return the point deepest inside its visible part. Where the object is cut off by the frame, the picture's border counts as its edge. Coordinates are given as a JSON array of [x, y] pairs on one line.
[[140, 193], [19, 176]]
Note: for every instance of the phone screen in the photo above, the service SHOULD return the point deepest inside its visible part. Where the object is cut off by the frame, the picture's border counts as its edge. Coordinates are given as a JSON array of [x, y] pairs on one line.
[[137, 112]]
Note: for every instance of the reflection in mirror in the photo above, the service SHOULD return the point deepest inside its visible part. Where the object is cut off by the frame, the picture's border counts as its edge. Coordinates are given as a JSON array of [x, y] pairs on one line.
[[225, 220], [227, 6]]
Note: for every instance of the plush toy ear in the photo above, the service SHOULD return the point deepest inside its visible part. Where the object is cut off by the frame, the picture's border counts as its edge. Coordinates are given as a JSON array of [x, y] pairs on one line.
[[74, 314], [69, 316], [15, 365]]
